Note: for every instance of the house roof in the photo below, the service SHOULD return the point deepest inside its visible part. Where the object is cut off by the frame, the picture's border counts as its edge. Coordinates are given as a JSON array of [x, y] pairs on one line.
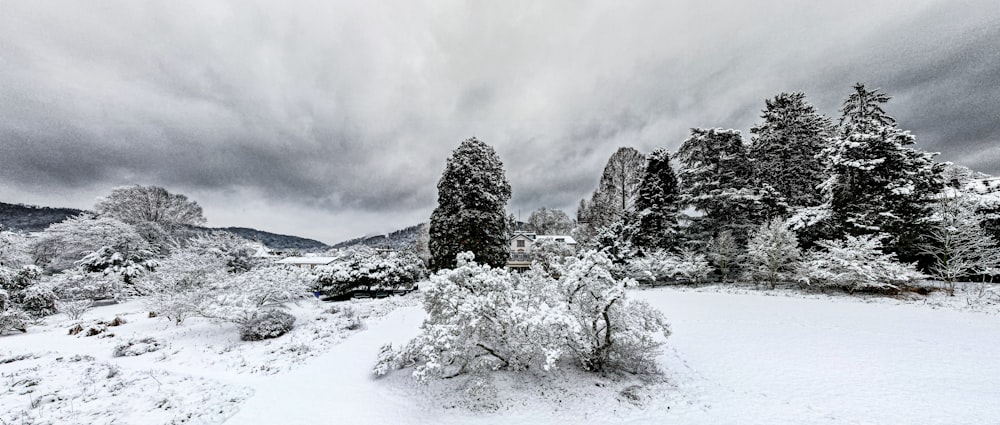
[[310, 261], [565, 239]]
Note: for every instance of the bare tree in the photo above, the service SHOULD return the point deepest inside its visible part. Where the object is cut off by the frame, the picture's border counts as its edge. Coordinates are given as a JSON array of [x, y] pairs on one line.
[[150, 204], [621, 180], [961, 248], [550, 222]]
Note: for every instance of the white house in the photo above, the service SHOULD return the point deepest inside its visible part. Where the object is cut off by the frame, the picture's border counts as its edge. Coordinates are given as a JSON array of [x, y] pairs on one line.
[[521, 244], [307, 262]]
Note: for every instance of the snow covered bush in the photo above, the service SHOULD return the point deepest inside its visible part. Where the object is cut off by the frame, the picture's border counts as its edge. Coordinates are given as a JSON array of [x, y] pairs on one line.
[[62, 245], [127, 264], [958, 243], [612, 331], [368, 269], [856, 264], [138, 347], [11, 316], [266, 325], [772, 253], [723, 252], [482, 319], [660, 266], [551, 254], [75, 284]]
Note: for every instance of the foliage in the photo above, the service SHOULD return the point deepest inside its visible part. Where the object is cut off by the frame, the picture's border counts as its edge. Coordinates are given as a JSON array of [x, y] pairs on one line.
[[856, 263], [614, 199], [128, 265], [658, 203], [772, 253], [268, 324], [472, 195]]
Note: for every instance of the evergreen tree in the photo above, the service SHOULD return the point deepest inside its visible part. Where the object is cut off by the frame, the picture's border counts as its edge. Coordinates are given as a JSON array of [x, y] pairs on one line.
[[786, 149], [716, 179], [657, 204], [472, 195], [878, 183]]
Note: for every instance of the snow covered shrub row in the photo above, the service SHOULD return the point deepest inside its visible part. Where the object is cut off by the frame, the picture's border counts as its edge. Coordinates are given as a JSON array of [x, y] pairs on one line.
[[484, 319], [856, 264], [367, 268], [266, 325], [660, 266]]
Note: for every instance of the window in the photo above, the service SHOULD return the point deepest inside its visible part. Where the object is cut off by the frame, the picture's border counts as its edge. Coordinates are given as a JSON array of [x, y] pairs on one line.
[[560, 239], [520, 243]]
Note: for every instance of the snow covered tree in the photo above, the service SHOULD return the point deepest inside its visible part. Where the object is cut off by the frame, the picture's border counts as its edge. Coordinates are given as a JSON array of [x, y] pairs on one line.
[[959, 245], [421, 246], [658, 203], [661, 266], [878, 183], [786, 150], [772, 253], [140, 204], [856, 264], [724, 252], [472, 195], [63, 244], [717, 180], [547, 221], [619, 185], [110, 261]]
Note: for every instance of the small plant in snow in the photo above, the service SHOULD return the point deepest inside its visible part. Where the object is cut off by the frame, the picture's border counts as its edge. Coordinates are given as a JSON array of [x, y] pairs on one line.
[[74, 309], [138, 347], [269, 324], [856, 263]]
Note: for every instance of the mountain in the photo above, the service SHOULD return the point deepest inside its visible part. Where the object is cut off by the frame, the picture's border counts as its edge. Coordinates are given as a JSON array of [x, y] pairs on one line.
[[276, 241], [400, 239], [30, 218]]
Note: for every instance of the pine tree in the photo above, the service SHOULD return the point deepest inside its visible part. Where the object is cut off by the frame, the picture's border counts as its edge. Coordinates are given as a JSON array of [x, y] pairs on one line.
[[787, 147], [472, 195], [657, 204], [878, 183], [717, 180]]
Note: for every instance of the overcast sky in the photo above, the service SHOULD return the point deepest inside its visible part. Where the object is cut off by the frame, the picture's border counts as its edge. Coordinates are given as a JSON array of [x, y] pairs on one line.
[[333, 119]]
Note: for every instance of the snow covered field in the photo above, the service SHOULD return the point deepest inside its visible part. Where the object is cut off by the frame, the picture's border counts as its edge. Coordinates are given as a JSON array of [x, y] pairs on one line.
[[733, 358]]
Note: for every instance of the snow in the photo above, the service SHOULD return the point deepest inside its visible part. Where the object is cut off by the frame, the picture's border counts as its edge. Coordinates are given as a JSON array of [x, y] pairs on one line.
[[736, 355]]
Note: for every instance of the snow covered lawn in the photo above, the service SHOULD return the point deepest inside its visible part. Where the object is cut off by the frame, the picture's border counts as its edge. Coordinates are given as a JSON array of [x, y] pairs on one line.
[[733, 358]]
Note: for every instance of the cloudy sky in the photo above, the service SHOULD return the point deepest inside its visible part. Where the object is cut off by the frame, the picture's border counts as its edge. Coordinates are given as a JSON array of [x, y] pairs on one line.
[[333, 119]]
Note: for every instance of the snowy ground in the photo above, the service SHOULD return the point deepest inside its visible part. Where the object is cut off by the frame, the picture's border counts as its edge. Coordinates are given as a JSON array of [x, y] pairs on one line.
[[736, 356]]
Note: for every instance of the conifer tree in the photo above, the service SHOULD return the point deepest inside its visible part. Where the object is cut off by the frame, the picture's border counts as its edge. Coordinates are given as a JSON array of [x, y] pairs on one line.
[[716, 179], [657, 204], [878, 183], [786, 149], [472, 195]]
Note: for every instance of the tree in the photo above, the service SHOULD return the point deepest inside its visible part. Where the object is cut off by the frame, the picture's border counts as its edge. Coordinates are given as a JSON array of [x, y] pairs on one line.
[[856, 264], [772, 253], [878, 183], [63, 244], [657, 203], [472, 195], [723, 252], [717, 180], [550, 222], [959, 245], [786, 149], [140, 204], [614, 199]]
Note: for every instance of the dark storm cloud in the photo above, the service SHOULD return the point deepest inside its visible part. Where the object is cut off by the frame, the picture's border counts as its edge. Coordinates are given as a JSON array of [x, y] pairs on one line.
[[342, 113]]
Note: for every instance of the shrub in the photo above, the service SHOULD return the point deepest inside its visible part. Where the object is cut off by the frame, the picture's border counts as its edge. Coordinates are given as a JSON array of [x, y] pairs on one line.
[[482, 319], [659, 266], [138, 347], [369, 268], [267, 325], [74, 309], [856, 264]]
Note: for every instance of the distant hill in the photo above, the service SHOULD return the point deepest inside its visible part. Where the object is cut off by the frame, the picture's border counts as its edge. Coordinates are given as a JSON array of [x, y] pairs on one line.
[[30, 218], [276, 241], [403, 238]]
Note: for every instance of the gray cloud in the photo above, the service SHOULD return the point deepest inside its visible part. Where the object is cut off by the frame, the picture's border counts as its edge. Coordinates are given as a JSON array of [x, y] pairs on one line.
[[334, 119]]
